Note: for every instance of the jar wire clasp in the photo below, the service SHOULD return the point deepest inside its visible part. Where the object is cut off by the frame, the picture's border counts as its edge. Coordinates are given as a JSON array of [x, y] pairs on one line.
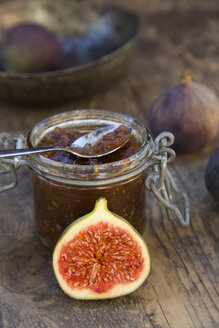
[[9, 166], [161, 182]]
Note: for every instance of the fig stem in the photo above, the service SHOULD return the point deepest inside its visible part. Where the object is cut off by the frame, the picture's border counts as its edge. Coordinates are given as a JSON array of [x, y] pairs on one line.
[[187, 77]]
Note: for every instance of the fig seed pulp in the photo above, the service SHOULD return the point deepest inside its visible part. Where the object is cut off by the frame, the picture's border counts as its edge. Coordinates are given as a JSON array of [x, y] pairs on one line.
[[99, 257]]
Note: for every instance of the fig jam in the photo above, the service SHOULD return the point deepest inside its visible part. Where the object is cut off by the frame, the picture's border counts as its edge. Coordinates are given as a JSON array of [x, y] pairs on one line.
[[67, 187], [57, 205], [112, 140]]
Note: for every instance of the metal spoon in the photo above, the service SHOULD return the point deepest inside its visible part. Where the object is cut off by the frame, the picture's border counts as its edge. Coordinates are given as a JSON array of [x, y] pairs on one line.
[[79, 147]]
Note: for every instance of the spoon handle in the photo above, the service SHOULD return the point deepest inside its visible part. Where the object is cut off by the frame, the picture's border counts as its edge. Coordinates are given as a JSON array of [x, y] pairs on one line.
[[24, 151]]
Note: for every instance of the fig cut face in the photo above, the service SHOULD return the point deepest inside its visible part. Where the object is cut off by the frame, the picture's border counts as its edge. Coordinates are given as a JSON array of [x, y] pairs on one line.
[[100, 256]]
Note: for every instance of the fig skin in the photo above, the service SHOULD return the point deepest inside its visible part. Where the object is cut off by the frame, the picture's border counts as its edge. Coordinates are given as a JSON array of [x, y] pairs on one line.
[[190, 111], [212, 175], [30, 48]]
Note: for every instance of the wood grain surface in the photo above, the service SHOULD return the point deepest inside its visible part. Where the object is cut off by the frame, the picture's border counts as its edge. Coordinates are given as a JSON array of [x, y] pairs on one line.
[[182, 288]]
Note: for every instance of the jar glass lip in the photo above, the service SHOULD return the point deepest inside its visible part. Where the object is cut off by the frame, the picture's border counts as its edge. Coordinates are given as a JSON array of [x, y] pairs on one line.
[[94, 118]]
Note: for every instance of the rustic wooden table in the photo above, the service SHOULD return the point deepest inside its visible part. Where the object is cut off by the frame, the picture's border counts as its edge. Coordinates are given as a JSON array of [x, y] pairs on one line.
[[181, 290]]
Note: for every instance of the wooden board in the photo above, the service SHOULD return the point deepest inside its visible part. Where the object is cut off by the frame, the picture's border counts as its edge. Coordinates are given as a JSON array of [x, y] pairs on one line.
[[181, 290]]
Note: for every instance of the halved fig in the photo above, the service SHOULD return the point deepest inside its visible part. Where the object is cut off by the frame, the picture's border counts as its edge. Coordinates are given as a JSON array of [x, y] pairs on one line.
[[100, 256]]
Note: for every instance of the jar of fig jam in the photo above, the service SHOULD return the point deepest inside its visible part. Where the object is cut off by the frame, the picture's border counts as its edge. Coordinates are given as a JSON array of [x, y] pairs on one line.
[[66, 187]]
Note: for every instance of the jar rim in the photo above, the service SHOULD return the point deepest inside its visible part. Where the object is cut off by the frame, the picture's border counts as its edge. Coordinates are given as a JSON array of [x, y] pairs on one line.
[[68, 173]]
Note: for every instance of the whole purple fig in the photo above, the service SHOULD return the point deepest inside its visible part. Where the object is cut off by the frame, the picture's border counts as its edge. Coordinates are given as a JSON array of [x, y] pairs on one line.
[[190, 111], [212, 175], [30, 48]]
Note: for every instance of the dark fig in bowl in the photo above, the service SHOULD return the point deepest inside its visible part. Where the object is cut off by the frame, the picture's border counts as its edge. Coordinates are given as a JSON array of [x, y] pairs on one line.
[[190, 111], [30, 48], [212, 175]]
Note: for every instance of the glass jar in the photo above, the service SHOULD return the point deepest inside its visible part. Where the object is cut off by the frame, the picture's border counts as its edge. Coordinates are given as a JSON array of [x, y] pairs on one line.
[[64, 192]]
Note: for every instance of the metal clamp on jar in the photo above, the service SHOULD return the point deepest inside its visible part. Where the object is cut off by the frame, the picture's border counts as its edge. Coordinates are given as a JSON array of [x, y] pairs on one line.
[[8, 166], [64, 192]]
